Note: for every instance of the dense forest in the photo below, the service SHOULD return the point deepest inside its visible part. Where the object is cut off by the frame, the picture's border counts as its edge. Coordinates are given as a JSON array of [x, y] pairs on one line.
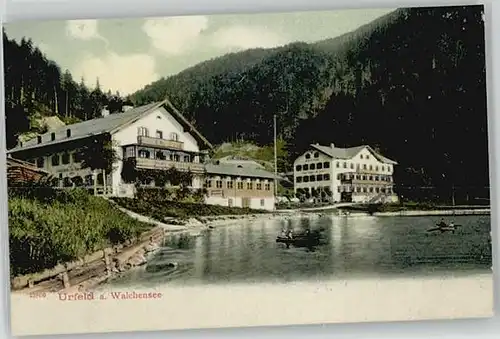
[[36, 86], [412, 84]]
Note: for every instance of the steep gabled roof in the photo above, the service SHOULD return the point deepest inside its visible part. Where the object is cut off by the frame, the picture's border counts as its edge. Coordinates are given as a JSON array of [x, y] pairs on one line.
[[348, 153], [108, 124]]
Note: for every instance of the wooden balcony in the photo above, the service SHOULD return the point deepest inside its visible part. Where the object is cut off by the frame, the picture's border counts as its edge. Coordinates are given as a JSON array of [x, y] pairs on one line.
[[162, 143], [157, 164]]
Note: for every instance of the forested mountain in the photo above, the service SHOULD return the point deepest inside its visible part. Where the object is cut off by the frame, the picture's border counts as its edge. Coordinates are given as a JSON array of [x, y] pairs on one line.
[[36, 86], [411, 84]]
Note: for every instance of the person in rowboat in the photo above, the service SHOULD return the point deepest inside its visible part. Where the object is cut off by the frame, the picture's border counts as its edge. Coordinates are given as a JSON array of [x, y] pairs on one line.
[[442, 223]]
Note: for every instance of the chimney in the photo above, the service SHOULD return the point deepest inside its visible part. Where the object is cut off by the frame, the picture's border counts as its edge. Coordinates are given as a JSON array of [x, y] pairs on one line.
[[68, 133], [39, 139], [332, 145]]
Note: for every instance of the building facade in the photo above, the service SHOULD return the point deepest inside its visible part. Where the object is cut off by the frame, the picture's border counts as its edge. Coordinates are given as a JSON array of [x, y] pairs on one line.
[[150, 138], [244, 183], [356, 174], [155, 136]]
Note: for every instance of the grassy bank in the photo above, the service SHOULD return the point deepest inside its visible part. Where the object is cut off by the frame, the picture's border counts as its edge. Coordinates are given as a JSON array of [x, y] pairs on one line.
[[48, 227], [161, 209], [406, 206]]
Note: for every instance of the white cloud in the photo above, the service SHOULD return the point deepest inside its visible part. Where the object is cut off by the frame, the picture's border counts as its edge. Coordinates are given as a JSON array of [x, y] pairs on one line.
[[245, 37], [175, 35], [82, 29], [123, 73]]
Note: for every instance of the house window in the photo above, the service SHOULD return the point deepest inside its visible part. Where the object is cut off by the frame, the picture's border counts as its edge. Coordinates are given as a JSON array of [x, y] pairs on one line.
[[352, 166], [319, 165], [130, 152], [312, 178], [229, 184], [52, 136], [319, 177], [187, 158], [306, 179], [345, 164], [316, 154], [268, 187], [326, 176], [176, 157], [338, 164], [371, 189], [143, 153], [312, 167], [298, 179], [383, 168], [160, 155], [65, 158], [240, 185], [259, 186], [174, 136], [142, 131], [364, 189], [159, 134], [55, 160], [230, 202], [208, 183], [371, 178], [371, 167], [361, 156], [364, 166], [377, 189], [306, 167], [218, 183], [376, 168], [358, 189], [298, 168], [308, 156], [249, 186], [40, 162], [262, 202], [326, 165]]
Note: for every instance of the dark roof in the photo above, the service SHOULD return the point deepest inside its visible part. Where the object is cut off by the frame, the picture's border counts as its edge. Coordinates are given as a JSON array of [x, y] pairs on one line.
[[11, 162], [241, 171], [348, 153], [105, 124]]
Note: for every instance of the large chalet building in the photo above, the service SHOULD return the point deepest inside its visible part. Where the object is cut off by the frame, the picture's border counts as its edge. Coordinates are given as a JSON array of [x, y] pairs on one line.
[[156, 137], [356, 174]]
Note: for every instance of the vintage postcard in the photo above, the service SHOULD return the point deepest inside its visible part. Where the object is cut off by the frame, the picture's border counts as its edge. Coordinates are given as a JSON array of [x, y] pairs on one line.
[[247, 170]]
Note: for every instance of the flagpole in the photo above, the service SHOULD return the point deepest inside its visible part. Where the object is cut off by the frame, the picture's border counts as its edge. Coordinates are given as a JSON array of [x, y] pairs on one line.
[[275, 164]]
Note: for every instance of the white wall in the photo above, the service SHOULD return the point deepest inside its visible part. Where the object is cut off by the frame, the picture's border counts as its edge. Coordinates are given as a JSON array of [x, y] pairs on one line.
[[159, 119], [255, 203], [302, 160]]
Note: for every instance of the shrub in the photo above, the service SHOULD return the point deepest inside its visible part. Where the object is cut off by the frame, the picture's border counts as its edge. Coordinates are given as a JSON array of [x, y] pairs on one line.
[[51, 227]]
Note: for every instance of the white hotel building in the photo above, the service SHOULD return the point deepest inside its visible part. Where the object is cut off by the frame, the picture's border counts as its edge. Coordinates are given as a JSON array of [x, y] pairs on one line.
[[355, 174]]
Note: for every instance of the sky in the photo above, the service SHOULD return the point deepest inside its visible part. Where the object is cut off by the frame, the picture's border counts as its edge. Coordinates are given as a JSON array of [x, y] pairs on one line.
[[127, 54]]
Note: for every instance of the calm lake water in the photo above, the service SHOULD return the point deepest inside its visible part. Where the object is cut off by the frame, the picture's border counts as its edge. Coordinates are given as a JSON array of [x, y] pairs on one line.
[[352, 247]]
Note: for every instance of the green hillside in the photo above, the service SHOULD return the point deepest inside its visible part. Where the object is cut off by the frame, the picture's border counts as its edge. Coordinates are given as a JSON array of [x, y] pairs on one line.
[[411, 84]]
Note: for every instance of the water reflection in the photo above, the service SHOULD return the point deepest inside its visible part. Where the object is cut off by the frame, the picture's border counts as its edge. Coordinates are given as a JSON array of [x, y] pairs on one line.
[[248, 252]]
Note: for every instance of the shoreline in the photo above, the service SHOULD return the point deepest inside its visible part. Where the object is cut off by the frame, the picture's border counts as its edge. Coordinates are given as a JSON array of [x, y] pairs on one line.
[[107, 264]]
